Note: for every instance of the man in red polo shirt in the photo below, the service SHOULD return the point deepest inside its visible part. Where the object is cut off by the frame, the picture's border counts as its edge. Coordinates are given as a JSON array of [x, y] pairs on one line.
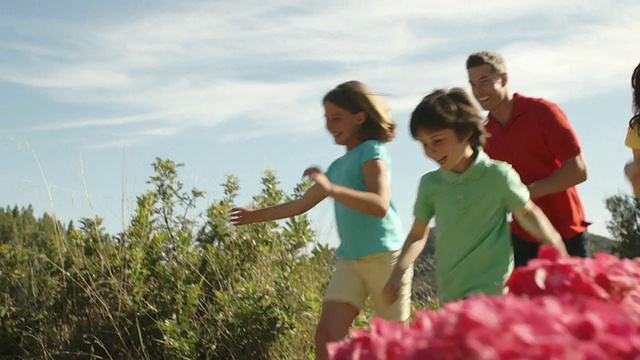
[[535, 137]]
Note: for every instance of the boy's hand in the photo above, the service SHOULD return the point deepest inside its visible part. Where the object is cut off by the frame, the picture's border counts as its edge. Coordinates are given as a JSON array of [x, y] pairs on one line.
[[536, 223], [317, 176], [561, 247], [390, 291], [241, 216]]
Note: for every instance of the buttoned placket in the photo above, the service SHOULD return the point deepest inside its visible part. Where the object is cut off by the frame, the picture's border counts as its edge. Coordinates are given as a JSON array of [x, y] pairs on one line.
[[460, 198]]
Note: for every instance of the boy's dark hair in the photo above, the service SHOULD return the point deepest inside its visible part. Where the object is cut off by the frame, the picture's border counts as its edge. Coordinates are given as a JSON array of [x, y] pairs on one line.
[[635, 84], [449, 109], [355, 97]]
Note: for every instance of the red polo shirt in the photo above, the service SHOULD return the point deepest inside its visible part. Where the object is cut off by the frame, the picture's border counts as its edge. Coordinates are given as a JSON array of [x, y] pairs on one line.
[[536, 141]]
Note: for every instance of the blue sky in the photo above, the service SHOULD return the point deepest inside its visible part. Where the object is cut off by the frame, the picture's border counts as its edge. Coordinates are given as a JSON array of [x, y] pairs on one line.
[[93, 92]]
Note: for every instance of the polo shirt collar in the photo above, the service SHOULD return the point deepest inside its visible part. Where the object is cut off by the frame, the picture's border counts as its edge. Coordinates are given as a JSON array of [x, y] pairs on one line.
[[519, 107], [475, 170]]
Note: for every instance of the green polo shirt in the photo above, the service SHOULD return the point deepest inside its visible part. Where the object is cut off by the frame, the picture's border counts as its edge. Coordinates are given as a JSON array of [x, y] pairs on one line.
[[473, 250]]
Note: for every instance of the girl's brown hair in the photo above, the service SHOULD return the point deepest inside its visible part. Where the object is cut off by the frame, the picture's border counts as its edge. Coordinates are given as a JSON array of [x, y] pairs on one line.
[[355, 97]]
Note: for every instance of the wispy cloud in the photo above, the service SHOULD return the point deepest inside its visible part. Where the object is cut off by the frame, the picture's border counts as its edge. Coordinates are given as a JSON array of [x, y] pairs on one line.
[[205, 65], [111, 121], [73, 77]]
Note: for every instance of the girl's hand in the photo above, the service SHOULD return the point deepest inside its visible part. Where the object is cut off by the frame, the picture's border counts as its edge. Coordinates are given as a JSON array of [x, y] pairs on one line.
[[318, 177], [241, 216]]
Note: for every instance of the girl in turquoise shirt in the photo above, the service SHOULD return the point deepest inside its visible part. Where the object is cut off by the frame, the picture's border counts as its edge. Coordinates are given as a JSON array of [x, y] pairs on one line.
[[367, 220]]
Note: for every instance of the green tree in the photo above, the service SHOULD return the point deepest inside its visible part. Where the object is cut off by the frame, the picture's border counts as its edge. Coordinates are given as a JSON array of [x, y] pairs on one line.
[[624, 225]]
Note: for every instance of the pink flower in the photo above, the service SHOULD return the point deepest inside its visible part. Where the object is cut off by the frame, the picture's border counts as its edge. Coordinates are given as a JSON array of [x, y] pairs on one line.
[[556, 308], [604, 277], [504, 327]]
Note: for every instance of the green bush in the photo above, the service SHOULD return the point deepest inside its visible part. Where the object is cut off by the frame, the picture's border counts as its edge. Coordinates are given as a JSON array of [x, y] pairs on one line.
[[172, 285]]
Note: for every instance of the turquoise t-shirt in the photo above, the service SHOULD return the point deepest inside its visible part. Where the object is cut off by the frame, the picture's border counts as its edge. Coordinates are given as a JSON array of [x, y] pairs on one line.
[[362, 234], [473, 249]]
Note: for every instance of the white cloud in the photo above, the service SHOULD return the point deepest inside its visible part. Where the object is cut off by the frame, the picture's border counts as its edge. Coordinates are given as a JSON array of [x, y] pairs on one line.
[[30, 49], [111, 121], [80, 76], [270, 63], [586, 61]]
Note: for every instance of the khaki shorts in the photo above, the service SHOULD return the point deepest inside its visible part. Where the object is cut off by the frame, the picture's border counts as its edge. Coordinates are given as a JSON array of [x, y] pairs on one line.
[[355, 280]]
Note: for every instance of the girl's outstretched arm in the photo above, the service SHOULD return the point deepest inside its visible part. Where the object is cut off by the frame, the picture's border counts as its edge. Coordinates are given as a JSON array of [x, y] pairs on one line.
[[374, 201], [243, 215], [536, 223]]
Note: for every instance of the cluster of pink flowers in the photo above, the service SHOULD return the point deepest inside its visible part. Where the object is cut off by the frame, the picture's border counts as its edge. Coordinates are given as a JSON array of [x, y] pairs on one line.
[[604, 277], [556, 308]]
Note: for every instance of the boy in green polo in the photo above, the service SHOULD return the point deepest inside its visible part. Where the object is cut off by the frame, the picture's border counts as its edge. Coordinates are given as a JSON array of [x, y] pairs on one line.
[[470, 196]]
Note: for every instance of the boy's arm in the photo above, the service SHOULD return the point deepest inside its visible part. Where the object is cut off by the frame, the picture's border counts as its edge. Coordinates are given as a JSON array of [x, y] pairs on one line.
[[536, 223], [242, 215], [413, 246]]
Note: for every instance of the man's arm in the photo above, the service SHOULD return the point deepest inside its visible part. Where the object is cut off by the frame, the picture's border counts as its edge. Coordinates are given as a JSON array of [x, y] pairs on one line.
[[571, 173]]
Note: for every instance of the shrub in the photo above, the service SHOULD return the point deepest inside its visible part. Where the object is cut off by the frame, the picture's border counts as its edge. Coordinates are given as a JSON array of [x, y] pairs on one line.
[[172, 285]]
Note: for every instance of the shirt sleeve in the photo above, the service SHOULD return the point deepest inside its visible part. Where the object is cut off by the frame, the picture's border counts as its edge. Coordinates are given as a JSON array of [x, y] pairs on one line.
[[330, 171], [633, 138], [423, 209], [560, 137], [374, 150], [516, 194]]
